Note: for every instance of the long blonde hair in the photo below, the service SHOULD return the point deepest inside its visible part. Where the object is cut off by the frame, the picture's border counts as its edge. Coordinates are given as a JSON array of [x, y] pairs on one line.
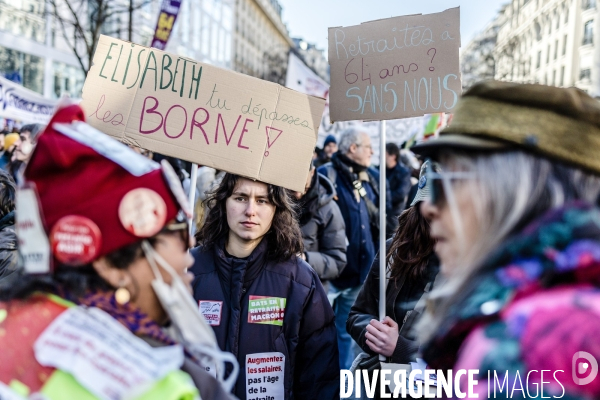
[[511, 190]]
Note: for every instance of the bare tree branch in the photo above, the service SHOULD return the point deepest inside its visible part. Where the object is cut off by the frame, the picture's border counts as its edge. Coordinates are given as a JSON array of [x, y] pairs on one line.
[[82, 22]]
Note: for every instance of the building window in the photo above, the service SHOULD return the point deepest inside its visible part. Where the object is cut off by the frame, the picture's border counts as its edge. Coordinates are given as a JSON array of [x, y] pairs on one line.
[[538, 63], [554, 78], [548, 55], [567, 16], [22, 68], [67, 80], [585, 74], [22, 19], [562, 76], [564, 49], [538, 31], [588, 32], [556, 49], [588, 4]]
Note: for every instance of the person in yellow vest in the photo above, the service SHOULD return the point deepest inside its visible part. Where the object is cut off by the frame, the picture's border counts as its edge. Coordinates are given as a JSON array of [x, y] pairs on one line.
[[103, 307]]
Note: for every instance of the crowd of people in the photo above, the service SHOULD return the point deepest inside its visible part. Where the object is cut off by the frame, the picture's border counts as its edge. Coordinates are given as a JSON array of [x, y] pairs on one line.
[[493, 259]]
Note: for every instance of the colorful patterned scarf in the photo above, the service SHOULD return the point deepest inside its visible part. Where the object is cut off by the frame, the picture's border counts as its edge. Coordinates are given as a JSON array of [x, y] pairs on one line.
[[131, 317]]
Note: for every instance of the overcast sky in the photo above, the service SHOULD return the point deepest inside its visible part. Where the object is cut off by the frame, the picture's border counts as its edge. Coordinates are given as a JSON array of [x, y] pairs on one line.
[[309, 19]]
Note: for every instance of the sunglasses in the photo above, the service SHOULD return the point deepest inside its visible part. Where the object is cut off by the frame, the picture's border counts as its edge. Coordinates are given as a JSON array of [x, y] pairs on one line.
[[181, 226], [440, 182]]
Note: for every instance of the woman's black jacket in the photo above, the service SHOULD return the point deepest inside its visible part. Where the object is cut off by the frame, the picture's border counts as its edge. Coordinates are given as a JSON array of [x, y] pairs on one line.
[[306, 335], [400, 301]]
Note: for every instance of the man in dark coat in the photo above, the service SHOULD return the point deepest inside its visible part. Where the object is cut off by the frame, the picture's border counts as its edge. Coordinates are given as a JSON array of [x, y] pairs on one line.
[[329, 148], [323, 228], [357, 188], [8, 236], [398, 177]]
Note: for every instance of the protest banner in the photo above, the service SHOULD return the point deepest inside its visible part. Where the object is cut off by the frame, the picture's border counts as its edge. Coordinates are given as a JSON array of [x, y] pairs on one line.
[[27, 106], [303, 79], [169, 9], [395, 68], [200, 113]]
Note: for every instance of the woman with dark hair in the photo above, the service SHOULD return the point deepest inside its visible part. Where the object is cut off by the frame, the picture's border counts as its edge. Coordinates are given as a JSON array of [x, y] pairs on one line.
[[104, 275], [266, 305], [412, 268]]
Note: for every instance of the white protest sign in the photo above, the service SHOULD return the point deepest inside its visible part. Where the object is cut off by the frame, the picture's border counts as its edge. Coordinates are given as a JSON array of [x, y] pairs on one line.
[[302, 79], [264, 376], [103, 355], [211, 311], [34, 246], [20, 103], [201, 113], [395, 68]]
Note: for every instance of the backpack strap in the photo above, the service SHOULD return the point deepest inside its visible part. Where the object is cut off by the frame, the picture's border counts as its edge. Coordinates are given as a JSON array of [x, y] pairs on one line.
[[331, 173]]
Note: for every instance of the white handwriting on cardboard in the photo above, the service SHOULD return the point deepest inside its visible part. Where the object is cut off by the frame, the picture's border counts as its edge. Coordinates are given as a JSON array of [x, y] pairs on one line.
[[395, 68]]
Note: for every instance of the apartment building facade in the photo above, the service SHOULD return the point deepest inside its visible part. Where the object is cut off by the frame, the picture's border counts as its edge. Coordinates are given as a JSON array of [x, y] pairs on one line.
[[261, 40], [203, 31], [552, 42], [477, 59], [34, 53]]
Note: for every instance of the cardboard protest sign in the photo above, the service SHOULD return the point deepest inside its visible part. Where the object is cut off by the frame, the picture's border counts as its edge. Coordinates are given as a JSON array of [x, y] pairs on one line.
[[395, 68], [203, 114]]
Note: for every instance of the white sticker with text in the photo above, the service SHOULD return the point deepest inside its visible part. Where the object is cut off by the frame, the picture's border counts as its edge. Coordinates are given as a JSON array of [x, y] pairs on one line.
[[264, 376], [104, 356], [211, 310]]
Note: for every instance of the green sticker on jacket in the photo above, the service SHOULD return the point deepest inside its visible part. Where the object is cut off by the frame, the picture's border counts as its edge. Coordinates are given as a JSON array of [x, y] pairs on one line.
[[266, 310]]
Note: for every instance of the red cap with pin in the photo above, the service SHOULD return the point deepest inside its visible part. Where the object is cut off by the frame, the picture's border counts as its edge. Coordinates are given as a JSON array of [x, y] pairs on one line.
[[96, 195]]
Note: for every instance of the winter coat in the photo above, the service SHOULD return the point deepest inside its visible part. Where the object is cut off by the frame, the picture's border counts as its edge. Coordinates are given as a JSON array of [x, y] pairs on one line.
[[361, 242], [323, 230], [532, 307], [399, 181], [261, 309], [9, 255], [22, 323], [401, 298]]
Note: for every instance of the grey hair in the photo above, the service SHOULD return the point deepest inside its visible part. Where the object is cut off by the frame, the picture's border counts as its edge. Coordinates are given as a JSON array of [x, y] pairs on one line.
[[511, 190], [349, 137]]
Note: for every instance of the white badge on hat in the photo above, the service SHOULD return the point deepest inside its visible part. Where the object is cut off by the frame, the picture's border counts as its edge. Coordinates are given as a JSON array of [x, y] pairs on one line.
[[143, 212]]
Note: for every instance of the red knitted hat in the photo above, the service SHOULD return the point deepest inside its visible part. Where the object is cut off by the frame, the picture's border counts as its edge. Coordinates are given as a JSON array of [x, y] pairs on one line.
[[96, 195]]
